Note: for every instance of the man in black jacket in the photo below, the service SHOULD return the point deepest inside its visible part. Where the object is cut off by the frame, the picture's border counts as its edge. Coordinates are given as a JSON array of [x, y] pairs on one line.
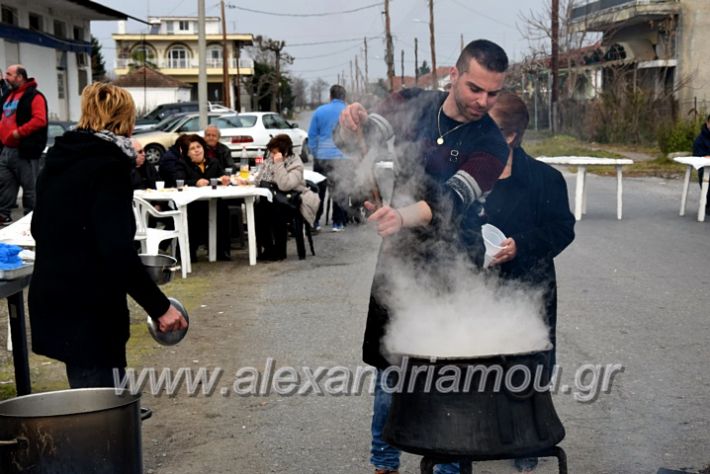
[[23, 133], [217, 150], [701, 147]]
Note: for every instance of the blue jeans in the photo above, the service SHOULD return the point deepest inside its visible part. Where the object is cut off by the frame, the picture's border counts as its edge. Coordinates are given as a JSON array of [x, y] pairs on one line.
[[382, 455]]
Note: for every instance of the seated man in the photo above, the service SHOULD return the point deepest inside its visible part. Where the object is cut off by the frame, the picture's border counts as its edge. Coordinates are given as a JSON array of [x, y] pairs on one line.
[[701, 147], [143, 175], [217, 150]]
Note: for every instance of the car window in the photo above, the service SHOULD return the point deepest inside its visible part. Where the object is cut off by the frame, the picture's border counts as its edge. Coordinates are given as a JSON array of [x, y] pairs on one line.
[[280, 122], [188, 108], [54, 130], [269, 121], [247, 120], [226, 122], [192, 125]]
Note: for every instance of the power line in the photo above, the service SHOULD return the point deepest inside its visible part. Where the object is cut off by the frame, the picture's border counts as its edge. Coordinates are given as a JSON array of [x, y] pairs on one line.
[[293, 45], [308, 14], [482, 14], [350, 48]]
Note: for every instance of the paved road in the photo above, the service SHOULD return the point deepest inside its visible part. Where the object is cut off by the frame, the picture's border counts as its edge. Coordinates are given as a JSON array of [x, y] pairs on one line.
[[632, 292]]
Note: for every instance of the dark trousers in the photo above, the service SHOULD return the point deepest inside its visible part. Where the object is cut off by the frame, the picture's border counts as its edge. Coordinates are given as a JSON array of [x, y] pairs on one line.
[[271, 228], [336, 171], [91, 377], [198, 216], [16, 172]]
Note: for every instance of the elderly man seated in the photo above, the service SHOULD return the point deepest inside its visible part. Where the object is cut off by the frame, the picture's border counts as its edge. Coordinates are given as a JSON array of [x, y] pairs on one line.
[[216, 150]]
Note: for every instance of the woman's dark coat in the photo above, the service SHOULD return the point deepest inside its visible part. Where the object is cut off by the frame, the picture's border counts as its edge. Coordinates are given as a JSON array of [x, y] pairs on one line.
[[86, 262], [532, 207]]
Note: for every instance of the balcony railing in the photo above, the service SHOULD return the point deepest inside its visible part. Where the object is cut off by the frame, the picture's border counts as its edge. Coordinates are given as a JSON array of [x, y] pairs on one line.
[[244, 63], [583, 8]]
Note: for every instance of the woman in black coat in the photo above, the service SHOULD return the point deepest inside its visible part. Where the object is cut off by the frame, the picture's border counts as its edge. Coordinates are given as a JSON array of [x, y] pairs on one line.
[[86, 263], [529, 204], [197, 170]]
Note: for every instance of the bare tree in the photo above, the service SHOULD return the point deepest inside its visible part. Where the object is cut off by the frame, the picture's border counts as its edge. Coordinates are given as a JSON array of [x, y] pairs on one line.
[[299, 86], [317, 88]]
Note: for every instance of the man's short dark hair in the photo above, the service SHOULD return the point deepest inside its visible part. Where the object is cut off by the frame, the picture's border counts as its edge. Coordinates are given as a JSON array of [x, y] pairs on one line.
[[486, 53], [337, 92], [22, 72]]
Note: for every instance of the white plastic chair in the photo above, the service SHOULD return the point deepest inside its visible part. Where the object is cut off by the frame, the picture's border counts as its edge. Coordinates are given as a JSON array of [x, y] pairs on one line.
[[150, 237]]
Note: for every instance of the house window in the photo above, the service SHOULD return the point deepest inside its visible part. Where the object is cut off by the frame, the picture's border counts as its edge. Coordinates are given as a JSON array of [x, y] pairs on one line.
[[178, 57], [35, 22], [83, 80], [78, 33], [61, 91], [169, 27], [143, 55], [9, 15], [60, 29], [81, 60], [183, 25], [214, 56]]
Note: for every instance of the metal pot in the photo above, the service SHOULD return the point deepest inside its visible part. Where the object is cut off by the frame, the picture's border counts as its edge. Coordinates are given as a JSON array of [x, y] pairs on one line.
[[173, 337], [161, 268], [95, 430], [481, 421]]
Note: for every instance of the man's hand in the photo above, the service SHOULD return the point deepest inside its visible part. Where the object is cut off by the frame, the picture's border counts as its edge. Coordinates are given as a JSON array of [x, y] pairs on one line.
[[389, 220], [202, 182], [172, 320], [353, 116], [510, 250]]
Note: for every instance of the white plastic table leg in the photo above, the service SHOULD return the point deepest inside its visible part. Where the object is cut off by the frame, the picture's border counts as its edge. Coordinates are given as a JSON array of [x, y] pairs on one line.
[[251, 233], [703, 194], [584, 195], [619, 192], [212, 244], [185, 263], [579, 192], [686, 184], [9, 336]]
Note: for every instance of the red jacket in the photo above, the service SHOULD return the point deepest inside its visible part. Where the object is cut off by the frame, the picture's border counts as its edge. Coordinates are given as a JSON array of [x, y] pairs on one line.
[[8, 123]]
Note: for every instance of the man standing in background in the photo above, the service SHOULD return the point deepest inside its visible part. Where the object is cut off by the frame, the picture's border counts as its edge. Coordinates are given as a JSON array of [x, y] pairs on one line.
[[329, 160], [23, 133]]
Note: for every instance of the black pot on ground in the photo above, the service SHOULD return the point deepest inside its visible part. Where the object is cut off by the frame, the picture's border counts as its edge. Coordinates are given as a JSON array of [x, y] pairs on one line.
[[494, 412]]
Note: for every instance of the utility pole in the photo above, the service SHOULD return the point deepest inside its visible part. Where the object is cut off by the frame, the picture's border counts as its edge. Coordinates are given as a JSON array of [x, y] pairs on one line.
[[367, 79], [402, 62], [352, 78], [416, 62], [461, 41], [357, 76], [202, 65], [389, 53], [225, 60], [555, 64], [434, 79]]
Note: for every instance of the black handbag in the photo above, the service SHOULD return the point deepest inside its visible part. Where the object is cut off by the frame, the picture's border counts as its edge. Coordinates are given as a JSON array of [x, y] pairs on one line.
[[290, 199]]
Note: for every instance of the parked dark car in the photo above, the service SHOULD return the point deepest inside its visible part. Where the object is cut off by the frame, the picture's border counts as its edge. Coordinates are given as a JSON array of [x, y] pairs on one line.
[[165, 110]]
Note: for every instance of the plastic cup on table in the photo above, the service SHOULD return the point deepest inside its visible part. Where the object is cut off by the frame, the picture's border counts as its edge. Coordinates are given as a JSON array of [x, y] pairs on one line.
[[213, 182], [229, 171], [160, 185], [180, 183], [492, 238]]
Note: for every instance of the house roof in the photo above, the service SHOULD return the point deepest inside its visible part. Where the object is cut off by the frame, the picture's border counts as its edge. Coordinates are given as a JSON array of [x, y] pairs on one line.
[[147, 77], [103, 12], [424, 81]]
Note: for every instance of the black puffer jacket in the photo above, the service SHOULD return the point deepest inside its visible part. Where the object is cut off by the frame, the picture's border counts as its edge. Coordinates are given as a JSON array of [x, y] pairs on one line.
[[86, 262], [701, 145]]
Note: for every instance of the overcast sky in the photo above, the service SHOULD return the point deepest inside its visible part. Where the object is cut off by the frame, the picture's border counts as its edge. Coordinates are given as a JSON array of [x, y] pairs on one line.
[[496, 20]]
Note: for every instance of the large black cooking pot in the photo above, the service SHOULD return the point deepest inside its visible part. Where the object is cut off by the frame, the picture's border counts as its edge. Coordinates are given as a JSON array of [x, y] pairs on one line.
[[87, 430], [483, 421]]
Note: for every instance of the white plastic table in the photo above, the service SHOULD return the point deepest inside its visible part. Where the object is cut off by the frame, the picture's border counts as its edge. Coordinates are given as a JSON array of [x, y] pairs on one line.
[[696, 162], [580, 192], [18, 233], [206, 193]]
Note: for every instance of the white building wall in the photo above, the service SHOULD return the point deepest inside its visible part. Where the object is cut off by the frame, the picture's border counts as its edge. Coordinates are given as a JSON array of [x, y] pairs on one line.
[[147, 99]]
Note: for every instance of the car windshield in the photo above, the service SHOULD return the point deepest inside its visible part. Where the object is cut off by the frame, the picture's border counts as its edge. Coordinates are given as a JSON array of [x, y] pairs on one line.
[[227, 121], [247, 120], [168, 122]]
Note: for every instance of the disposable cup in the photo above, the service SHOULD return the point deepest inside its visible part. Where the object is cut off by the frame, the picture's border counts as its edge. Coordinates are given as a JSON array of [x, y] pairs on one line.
[[180, 183], [492, 239], [213, 183], [159, 185]]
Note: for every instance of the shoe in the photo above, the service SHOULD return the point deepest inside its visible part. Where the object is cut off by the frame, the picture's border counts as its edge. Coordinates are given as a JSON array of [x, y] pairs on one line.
[[5, 220], [386, 471], [316, 228], [525, 464], [338, 228]]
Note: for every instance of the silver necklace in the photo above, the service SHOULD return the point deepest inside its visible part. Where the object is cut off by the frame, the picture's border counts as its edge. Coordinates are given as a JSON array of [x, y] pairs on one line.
[[440, 140]]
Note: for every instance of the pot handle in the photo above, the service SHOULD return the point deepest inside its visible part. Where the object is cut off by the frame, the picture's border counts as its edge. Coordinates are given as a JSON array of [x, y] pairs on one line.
[[146, 413], [17, 443], [175, 268]]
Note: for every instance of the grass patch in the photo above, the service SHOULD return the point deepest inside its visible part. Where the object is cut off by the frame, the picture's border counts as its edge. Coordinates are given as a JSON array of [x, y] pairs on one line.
[[564, 145], [48, 374]]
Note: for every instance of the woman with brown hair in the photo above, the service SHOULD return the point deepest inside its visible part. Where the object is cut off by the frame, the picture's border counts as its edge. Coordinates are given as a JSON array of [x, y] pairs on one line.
[[86, 262], [197, 170], [282, 171]]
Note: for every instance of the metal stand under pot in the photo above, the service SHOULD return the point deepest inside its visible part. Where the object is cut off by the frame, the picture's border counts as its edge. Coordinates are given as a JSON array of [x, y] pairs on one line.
[[493, 414]]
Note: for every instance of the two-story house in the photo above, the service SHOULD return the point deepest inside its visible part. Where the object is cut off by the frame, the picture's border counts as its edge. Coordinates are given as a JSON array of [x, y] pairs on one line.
[[664, 40], [170, 47], [52, 39]]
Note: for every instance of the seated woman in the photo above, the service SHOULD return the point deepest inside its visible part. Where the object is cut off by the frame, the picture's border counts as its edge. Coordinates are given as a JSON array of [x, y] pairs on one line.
[[281, 170], [197, 170]]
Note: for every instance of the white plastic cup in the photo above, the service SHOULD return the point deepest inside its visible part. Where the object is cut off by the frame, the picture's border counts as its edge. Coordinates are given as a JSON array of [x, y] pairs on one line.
[[180, 183], [213, 182], [160, 185], [492, 238]]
